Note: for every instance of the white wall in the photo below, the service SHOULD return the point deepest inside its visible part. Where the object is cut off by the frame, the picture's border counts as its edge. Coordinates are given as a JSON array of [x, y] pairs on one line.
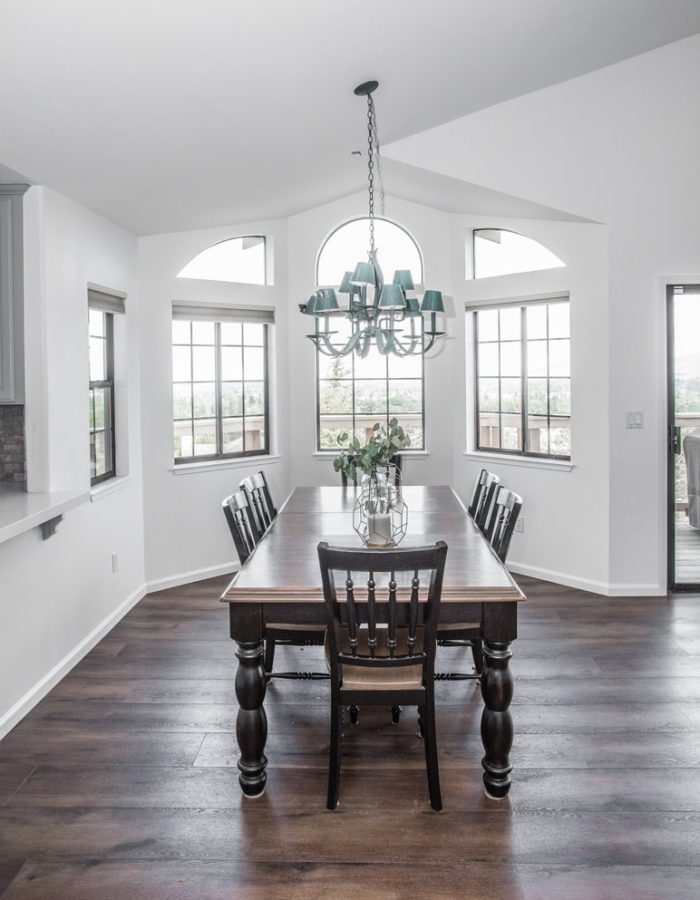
[[59, 595], [619, 146], [307, 232], [185, 531], [559, 501]]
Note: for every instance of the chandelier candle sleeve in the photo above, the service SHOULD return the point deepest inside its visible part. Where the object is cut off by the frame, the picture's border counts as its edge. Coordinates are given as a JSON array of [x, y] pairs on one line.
[[374, 309]]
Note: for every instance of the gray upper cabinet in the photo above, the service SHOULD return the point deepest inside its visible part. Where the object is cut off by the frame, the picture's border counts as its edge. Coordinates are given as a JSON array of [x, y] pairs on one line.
[[11, 294]]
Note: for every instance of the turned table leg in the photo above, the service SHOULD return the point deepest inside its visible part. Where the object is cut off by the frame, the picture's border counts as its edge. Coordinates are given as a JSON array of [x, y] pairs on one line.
[[251, 722], [496, 721]]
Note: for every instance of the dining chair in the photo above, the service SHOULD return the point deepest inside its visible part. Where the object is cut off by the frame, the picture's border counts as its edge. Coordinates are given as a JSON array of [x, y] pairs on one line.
[[258, 514], [501, 524], [244, 529], [499, 528], [381, 638], [260, 499], [487, 492]]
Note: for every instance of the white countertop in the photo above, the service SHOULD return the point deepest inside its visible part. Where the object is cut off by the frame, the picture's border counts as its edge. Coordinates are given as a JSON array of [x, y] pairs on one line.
[[20, 511]]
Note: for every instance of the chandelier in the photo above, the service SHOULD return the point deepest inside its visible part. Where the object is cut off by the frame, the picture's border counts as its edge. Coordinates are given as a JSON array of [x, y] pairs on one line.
[[380, 314]]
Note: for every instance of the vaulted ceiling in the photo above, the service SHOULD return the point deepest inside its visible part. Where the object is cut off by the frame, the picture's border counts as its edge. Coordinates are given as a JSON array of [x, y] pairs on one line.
[[168, 115]]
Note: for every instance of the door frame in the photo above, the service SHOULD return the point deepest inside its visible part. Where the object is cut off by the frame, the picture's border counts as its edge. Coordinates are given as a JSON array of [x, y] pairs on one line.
[[670, 442]]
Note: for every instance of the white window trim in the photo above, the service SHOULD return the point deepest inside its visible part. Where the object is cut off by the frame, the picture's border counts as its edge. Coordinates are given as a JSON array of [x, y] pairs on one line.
[[212, 465], [526, 462], [111, 486]]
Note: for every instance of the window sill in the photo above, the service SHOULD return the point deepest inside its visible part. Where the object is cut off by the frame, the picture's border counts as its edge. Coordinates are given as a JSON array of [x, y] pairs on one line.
[[100, 491], [327, 454], [217, 464], [526, 462]]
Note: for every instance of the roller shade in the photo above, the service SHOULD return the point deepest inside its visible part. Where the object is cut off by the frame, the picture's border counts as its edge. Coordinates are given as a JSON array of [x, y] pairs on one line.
[[198, 312], [106, 302]]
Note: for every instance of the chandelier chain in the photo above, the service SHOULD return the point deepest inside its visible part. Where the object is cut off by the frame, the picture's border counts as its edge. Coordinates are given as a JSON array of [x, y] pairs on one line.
[[371, 137]]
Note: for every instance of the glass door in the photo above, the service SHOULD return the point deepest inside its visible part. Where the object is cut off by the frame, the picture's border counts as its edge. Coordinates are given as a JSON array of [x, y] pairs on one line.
[[683, 320]]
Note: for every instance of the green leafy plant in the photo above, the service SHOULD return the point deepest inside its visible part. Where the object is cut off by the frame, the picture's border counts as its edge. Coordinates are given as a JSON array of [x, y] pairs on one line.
[[376, 453]]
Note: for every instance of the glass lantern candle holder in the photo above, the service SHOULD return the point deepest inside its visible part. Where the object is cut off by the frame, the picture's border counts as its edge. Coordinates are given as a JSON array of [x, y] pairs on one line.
[[380, 516]]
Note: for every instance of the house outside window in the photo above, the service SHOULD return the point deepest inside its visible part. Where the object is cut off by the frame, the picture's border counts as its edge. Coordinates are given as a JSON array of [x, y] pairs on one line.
[[220, 383], [523, 378]]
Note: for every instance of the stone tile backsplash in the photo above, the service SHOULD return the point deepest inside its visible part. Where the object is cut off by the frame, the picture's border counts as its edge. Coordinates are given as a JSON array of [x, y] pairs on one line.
[[12, 450]]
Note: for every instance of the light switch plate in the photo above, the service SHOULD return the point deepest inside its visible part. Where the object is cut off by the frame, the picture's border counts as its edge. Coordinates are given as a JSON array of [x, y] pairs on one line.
[[634, 420]]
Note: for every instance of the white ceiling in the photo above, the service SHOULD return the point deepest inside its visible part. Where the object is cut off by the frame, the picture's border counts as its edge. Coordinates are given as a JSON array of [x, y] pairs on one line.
[[165, 115]]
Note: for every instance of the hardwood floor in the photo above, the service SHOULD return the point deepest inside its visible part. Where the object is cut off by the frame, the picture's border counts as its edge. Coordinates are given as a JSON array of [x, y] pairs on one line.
[[122, 782]]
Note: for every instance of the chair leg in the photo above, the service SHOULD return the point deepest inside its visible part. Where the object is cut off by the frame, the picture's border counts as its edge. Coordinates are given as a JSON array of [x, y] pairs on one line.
[[395, 714], [334, 759], [431, 755], [269, 656], [420, 721], [354, 714], [478, 655]]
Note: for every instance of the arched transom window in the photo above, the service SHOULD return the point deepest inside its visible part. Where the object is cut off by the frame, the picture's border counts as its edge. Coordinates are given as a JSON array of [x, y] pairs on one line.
[[498, 251], [239, 259], [349, 243]]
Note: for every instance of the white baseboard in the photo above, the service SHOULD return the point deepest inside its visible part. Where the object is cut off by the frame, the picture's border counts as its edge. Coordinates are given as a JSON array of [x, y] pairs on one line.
[[51, 679], [161, 584], [588, 584]]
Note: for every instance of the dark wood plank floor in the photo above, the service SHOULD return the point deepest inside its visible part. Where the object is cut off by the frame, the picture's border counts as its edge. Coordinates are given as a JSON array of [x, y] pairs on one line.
[[122, 782]]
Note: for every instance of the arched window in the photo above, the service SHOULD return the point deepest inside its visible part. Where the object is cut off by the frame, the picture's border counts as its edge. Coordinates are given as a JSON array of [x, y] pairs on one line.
[[239, 259], [354, 393], [501, 252], [349, 244]]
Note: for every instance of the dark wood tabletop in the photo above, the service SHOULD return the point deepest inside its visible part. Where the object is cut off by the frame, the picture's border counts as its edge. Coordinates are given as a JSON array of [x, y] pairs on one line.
[[284, 567]]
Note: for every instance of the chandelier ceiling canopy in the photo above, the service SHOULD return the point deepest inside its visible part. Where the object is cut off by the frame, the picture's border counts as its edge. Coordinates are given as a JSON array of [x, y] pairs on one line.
[[383, 315]]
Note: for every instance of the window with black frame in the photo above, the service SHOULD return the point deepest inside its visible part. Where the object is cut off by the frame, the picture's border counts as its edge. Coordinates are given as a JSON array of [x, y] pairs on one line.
[[220, 383], [101, 395], [355, 392], [523, 378]]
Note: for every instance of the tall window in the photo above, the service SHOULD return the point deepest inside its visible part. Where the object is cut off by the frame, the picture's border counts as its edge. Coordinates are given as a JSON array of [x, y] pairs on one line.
[[220, 384], [523, 378], [354, 393], [101, 396]]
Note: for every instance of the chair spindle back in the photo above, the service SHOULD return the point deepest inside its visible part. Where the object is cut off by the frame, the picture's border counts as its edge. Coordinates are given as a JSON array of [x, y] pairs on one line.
[[504, 515], [244, 530], [259, 500], [393, 620]]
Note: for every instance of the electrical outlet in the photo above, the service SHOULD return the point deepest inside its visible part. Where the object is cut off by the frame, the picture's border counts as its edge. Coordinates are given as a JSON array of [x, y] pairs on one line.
[[520, 524], [115, 561]]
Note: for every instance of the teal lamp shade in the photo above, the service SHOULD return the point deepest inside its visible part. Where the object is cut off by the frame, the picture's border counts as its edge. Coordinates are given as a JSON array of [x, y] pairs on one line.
[[346, 285], [412, 306], [432, 302], [326, 300], [392, 297], [363, 274], [404, 278], [311, 305]]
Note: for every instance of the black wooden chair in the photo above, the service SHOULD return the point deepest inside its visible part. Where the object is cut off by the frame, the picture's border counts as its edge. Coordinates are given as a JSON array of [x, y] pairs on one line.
[[241, 522], [381, 650], [259, 499], [396, 460], [260, 514], [482, 498], [501, 510], [501, 524]]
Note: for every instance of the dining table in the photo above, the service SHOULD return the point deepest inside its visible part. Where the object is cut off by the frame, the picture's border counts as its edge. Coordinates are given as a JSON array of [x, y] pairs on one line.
[[281, 581]]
